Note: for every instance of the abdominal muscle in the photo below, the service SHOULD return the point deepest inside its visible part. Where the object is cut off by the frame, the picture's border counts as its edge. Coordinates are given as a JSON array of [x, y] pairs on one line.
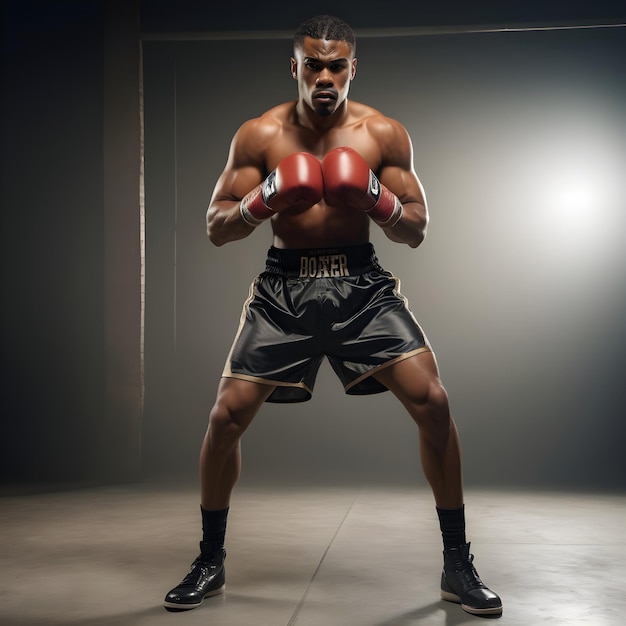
[[321, 226]]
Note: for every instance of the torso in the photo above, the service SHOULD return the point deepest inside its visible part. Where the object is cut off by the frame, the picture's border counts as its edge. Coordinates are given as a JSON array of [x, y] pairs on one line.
[[321, 226]]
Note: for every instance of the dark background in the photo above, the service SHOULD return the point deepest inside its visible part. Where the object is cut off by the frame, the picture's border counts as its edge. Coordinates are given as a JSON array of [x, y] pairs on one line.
[[517, 116]]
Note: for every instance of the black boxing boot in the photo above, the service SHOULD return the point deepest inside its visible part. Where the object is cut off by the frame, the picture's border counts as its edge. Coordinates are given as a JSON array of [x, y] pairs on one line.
[[206, 578], [460, 583]]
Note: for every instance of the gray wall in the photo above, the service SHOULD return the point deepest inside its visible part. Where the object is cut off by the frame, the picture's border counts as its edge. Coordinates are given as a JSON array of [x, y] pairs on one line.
[[69, 358], [519, 140], [52, 354], [523, 303]]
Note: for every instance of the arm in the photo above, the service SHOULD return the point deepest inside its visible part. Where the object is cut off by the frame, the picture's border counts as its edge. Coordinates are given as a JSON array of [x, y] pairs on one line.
[[397, 172], [396, 200], [295, 184], [245, 169]]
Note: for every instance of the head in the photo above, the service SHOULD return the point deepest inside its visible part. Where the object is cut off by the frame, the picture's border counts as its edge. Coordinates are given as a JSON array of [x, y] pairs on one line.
[[325, 27], [324, 62]]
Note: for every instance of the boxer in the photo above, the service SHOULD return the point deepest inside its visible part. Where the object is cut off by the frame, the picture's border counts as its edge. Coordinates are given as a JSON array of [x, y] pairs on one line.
[[320, 172]]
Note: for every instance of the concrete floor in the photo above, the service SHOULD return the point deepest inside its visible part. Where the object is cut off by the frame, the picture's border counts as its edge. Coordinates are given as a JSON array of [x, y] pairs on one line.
[[310, 557]]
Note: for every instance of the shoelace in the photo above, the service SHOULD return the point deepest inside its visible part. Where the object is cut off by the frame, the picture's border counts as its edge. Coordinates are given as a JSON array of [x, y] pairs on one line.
[[467, 572], [198, 570]]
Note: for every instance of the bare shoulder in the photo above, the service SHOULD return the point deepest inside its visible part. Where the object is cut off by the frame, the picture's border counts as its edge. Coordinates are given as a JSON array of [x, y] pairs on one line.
[[256, 135], [387, 130], [390, 135]]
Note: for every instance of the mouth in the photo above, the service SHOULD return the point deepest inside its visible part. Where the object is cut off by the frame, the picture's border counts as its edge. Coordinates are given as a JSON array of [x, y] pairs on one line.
[[325, 95]]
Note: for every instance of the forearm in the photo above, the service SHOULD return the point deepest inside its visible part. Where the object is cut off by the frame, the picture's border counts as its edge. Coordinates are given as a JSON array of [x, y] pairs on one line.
[[295, 184], [224, 222], [411, 227]]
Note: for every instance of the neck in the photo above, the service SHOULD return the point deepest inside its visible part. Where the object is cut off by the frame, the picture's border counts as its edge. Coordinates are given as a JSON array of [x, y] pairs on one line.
[[308, 118]]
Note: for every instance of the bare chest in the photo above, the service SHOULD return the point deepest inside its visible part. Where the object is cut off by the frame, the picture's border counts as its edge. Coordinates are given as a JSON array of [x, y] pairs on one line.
[[296, 139]]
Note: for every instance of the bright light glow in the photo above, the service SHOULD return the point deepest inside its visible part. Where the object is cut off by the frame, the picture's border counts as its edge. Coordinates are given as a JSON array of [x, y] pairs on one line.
[[573, 209], [572, 198], [572, 203]]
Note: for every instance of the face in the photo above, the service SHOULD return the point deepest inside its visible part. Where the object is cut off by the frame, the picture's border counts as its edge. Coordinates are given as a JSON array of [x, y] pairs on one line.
[[324, 69]]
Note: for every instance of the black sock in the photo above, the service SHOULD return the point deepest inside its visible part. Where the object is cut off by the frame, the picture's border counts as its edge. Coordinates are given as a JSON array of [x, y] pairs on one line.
[[452, 524], [213, 530]]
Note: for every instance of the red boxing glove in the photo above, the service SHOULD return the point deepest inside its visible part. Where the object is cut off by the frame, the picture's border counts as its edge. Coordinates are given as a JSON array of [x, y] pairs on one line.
[[348, 180], [296, 183]]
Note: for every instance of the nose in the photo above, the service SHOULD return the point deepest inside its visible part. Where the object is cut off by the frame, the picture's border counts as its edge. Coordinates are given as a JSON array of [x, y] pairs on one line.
[[325, 78]]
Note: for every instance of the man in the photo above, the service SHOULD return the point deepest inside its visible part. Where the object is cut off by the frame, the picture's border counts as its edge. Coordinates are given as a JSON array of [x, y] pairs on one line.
[[321, 170]]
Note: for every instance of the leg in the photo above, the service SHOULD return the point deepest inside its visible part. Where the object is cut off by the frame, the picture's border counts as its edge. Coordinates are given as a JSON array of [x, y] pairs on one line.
[[220, 457], [415, 382], [220, 460]]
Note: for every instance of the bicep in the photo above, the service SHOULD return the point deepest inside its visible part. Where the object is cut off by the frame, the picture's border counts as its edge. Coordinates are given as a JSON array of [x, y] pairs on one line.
[[397, 170], [403, 181], [236, 181], [245, 166]]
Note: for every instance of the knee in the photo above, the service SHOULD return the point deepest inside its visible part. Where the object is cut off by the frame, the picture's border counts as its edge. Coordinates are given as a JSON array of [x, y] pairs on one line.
[[438, 397], [224, 429], [431, 409]]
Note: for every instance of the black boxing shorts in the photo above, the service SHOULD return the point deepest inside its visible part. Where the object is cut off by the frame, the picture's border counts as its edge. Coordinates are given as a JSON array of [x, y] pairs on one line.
[[337, 303]]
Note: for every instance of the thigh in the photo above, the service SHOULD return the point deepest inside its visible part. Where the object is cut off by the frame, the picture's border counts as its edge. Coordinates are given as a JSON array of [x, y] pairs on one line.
[[414, 380], [277, 340], [375, 329], [239, 400]]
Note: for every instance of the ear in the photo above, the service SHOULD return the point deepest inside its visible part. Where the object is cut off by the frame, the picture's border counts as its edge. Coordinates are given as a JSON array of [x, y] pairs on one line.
[[294, 68], [353, 68]]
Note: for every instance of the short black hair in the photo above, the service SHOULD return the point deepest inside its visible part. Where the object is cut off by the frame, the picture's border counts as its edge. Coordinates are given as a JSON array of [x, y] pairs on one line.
[[325, 27]]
